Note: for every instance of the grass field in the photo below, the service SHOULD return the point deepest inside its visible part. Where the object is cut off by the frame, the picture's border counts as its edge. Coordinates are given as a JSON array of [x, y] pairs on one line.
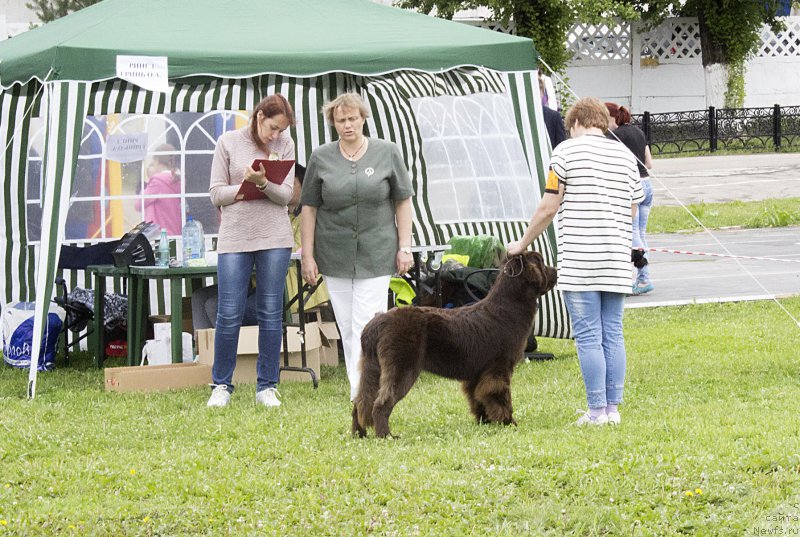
[[708, 446], [751, 214]]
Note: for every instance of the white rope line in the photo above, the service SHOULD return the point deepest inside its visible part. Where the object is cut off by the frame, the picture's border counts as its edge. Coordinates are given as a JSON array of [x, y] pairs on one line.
[[667, 251], [653, 176]]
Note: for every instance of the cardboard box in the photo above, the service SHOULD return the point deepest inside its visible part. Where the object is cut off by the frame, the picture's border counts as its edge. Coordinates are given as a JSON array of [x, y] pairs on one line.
[[329, 352], [156, 378], [247, 352], [186, 317]]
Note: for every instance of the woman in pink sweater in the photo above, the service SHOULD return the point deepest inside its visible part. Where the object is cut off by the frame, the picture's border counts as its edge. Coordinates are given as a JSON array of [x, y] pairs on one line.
[[252, 233]]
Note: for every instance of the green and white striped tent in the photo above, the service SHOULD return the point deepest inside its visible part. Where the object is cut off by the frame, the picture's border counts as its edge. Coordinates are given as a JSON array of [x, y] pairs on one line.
[[412, 69]]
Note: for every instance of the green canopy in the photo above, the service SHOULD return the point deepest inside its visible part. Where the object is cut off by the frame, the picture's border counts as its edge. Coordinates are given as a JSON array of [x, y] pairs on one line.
[[240, 38]]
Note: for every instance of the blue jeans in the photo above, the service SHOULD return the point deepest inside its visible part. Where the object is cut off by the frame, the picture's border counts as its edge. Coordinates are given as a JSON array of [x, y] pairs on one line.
[[597, 327], [234, 271], [640, 227]]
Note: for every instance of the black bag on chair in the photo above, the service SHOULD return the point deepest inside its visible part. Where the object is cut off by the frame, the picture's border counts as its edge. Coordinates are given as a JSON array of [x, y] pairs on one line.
[[78, 312]]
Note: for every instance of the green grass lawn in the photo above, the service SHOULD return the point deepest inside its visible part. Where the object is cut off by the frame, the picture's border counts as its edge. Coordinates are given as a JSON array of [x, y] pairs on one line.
[[709, 445], [751, 214]]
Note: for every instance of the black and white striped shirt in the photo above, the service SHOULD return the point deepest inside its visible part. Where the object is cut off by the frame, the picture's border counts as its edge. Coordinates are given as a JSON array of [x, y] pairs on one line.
[[594, 221]]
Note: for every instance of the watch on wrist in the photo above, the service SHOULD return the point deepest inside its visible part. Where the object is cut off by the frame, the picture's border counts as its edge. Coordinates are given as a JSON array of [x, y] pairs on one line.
[[405, 249]]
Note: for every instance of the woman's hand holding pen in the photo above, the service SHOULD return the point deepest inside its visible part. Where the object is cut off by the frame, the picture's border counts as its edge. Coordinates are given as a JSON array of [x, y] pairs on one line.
[[258, 178]]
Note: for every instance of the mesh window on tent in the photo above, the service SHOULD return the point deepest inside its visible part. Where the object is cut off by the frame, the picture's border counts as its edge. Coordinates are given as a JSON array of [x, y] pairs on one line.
[[476, 166]]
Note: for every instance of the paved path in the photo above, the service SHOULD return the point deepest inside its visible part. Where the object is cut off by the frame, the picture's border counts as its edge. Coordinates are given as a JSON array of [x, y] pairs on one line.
[[688, 278], [731, 275], [726, 178]]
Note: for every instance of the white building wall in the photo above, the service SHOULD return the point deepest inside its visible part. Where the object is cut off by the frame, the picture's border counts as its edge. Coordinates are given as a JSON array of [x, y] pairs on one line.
[[15, 18], [666, 75]]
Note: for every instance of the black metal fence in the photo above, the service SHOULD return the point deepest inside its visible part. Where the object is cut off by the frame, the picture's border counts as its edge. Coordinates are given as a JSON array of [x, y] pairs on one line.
[[730, 129]]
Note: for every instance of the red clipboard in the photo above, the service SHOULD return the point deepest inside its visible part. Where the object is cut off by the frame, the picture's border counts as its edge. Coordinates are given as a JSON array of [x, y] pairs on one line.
[[275, 171]]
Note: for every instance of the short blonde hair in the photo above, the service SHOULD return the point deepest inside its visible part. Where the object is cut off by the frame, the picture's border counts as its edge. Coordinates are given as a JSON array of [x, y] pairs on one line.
[[588, 112], [345, 100]]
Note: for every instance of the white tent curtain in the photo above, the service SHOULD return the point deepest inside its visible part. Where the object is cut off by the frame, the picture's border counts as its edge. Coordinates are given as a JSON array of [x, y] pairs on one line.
[[67, 103]]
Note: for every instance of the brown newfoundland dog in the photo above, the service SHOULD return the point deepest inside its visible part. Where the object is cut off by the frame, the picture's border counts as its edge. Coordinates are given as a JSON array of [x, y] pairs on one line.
[[477, 344]]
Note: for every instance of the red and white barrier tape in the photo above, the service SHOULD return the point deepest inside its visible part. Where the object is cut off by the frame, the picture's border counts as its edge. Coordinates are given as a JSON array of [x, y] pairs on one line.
[[666, 251]]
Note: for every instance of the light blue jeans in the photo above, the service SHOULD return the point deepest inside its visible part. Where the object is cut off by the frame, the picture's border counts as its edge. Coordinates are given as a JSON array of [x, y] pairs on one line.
[[597, 327], [640, 227], [234, 271]]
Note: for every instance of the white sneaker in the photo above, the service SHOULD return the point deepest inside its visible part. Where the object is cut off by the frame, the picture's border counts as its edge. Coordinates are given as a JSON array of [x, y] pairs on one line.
[[585, 419], [614, 418], [219, 396], [268, 397]]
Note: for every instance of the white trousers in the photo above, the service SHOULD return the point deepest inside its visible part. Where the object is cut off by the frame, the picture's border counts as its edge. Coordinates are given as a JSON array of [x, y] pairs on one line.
[[355, 302]]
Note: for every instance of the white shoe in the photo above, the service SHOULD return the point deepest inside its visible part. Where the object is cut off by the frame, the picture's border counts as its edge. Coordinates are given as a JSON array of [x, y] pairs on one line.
[[268, 397], [585, 419], [614, 418], [219, 396]]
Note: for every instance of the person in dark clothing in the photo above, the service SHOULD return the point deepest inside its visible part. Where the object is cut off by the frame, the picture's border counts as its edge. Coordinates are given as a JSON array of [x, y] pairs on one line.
[[552, 120], [632, 137], [555, 126]]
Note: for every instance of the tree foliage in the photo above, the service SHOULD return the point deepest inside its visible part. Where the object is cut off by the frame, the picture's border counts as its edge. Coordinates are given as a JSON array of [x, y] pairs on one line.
[[547, 22], [50, 10], [729, 31]]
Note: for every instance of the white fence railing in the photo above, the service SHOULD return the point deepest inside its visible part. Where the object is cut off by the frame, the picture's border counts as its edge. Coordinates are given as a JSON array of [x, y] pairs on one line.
[[660, 69]]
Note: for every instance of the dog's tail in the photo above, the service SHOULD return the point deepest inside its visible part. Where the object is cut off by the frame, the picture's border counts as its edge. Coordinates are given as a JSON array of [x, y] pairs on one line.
[[370, 376]]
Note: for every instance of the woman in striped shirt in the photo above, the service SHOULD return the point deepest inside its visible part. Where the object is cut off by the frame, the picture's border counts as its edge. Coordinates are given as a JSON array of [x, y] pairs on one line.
[[593, 185]]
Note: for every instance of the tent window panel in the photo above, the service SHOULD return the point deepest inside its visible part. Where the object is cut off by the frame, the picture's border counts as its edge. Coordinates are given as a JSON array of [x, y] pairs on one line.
[[444, 196], [202, 210], [491, 200], [110, 197], [482, 159], [438, 165], [499, 155], [458, 157], [197, 175], [432, 120], [438, 172], [513, 199], [33, 221], [83, 221], [468, 199], [475, 138], [34, 202]]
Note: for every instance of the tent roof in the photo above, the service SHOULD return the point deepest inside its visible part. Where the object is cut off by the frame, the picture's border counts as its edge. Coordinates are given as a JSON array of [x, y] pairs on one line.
[[242, 38]]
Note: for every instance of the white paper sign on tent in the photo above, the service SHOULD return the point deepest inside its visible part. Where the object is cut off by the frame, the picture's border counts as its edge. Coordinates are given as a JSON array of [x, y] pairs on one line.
[[148, 72], [126, 147]]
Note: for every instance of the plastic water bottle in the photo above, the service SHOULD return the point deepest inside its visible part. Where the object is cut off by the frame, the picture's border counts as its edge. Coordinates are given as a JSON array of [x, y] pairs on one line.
[[162, 254], [193, 243]]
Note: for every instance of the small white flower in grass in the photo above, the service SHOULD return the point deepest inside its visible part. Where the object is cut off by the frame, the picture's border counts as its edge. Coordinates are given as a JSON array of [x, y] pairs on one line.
[[611, 500]]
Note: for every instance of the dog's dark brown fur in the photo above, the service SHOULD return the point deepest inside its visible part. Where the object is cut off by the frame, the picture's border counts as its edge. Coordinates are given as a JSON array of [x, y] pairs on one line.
[[478, 344]]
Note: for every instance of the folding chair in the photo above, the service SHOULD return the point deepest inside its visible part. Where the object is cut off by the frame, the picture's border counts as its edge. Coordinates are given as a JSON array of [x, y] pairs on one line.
[[78, 313]]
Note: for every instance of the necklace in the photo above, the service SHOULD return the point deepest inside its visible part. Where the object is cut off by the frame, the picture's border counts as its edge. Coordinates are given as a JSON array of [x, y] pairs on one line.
[[356, 152]]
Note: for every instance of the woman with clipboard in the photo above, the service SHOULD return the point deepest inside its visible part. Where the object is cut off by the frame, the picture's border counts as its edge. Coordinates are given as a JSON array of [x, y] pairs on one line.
[[254, 231]]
